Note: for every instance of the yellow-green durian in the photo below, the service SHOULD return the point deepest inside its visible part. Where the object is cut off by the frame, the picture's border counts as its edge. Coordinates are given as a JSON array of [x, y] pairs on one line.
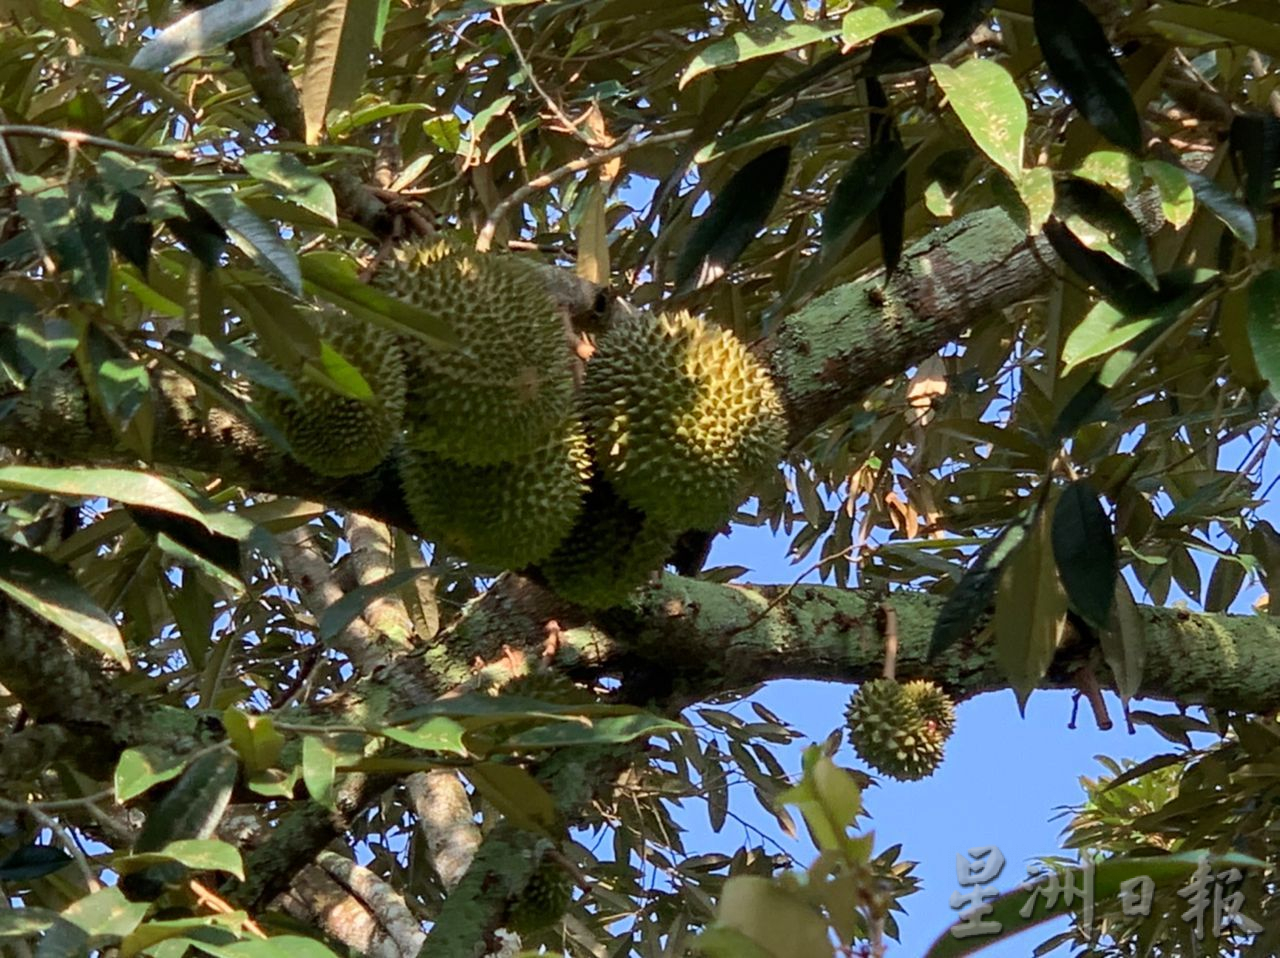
[[506, 514], [900, 730], [510, 383], [683, 418], [611, 552], [333, 433]]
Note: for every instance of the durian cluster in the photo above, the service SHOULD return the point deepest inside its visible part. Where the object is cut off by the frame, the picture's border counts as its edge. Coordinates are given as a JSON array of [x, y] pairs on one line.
[[509, 458], [900, 729]]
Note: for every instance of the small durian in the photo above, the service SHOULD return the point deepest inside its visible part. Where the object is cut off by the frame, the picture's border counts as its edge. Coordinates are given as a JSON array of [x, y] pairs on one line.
[[335, 434], [612, 551], [504, 515], [682, 418], [542, 902], [510, 384], [55, 402], [900, 730]]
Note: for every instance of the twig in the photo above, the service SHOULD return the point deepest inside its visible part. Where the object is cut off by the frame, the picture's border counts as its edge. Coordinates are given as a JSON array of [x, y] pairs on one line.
[[887, 622], [59, 805], [69, 844], [215, 902], [552, 105], [75, 139], [629, 142]]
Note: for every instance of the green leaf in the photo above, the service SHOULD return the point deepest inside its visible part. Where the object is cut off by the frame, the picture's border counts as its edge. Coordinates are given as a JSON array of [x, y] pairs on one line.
[[1099, 220], [341, 614], [735, 216], [254, 236], [1224, 584], [194, 806], [989, 104], [27, 862], [1225, 207], [140, 768], [1103, 330], [1038, 195], [130, 231], [1078, 54], [337, 57], [100, 917], [764, 37], [867, 23], [85, 253], [804, 118], [434, 735], [1255, 138], [319, 770], [517, 795], [26, 922], [154, 932], [232, 357], [1177, 199], [593, 238], [1084, 548], [292, 180], [970, 601], [1206, 26], [121, 485], [1124, 642], [1166, 872], [254, 737], [608, 730], [205, 29], [1031, 610], [50, 591], [862, 187], [780, 922], [332, 277], [1264, 326], [199, 854]]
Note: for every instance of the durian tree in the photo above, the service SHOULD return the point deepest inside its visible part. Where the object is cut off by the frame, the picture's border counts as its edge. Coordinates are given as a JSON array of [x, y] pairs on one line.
[[377, 376]]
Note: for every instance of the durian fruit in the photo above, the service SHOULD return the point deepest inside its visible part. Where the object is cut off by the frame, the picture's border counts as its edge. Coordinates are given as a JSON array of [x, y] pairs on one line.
[[611, 552], [542, 902], [683, 418], [335, 434], [900, 729], [55, 402], [510, 383], [507, 514]]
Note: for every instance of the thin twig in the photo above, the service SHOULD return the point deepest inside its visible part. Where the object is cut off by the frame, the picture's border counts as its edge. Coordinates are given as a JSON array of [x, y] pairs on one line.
[[629, 142], [75, 138], [69, 844], [558, 111], [59, 805]]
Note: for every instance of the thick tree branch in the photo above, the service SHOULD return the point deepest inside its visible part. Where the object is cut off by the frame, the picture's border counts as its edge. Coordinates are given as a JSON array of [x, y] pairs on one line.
[[712, 638]]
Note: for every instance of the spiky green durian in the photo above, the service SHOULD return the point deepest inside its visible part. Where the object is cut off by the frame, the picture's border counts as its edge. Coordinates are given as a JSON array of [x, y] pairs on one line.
[[933, 705], [611, 552], [336, 434], [507, 514], [510, 383], [55, 402], [542, 902], [900, 730], [683, 418]]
